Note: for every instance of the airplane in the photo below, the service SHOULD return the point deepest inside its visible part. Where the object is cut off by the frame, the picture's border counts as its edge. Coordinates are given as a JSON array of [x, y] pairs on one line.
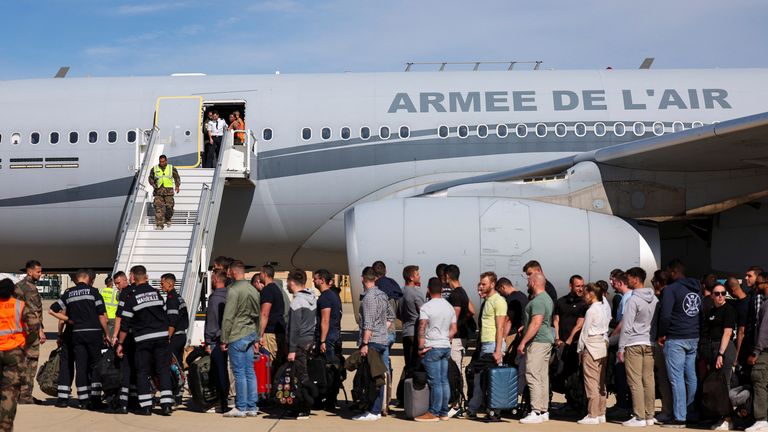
[[584, 170]]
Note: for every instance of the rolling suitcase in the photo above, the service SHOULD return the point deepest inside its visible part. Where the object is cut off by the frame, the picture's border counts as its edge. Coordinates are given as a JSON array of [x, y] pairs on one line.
[[262, 364], [416, 400], [201, 384], [501, 390]]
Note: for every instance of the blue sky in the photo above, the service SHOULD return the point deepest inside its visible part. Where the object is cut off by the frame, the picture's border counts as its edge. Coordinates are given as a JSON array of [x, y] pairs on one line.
[[142, 37]]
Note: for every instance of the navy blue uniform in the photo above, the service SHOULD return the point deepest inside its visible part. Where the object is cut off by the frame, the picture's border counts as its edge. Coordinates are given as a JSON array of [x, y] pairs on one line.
[[144, 315], [178, 318], [83, 305]]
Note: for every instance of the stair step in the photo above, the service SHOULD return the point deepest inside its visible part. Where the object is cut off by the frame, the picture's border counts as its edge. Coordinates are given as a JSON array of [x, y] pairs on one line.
[[158, 248], [159, 259], [151, 234]]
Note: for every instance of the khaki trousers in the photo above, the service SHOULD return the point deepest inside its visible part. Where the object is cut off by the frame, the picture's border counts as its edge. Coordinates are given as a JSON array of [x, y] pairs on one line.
[[594, 383], [537, 374], [638, 361], [457, 355]]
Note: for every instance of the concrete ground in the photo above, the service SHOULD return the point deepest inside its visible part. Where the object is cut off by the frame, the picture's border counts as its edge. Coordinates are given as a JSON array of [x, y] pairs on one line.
[[47, 417]]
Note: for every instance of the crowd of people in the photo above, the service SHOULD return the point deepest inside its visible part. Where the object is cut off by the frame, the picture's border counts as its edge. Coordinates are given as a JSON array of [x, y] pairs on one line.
[[694, 342]]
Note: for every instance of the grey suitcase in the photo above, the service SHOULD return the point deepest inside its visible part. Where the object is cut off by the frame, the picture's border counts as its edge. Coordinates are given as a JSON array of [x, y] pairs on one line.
[[416, 401]]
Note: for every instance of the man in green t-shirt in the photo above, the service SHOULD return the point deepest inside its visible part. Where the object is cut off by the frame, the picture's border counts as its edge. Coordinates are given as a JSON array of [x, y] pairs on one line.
[[536, 346]]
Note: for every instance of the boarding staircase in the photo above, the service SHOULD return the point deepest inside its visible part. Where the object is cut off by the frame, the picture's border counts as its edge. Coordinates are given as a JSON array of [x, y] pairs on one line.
[[184, 248]]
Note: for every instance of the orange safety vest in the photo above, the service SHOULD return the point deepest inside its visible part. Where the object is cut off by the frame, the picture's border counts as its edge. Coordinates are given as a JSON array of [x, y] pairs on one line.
[[11, 329]]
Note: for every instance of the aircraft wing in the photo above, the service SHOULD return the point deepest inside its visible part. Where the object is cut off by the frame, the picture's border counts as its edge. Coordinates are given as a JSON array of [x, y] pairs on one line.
[[736, 144]]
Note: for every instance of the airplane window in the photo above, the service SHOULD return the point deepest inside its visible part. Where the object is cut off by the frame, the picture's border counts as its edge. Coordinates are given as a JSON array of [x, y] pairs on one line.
[[131, 136], [658, 128], [697, 124], [405, 132], [73, 137], [541, 130], [463, 131], [16, 138], [599, 129], [384, 132], [326, 133], [266, 134], [521, 130], [639, 128], [1, 138], [54, 138], [306, 134], [345, 133], [677, 126], [560, 130], [442, 131], [482, 131], [112, 137], [365, 132], [619, 129], [92, 137], [580, 129], [34, 139], [502, 131]]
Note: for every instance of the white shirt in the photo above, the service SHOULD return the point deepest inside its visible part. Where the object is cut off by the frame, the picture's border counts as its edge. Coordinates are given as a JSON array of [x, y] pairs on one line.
[[596, 323], [216, 127], [440, 315]]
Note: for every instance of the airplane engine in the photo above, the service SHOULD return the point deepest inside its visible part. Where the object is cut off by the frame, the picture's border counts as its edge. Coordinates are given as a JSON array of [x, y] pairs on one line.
[[494, 234]]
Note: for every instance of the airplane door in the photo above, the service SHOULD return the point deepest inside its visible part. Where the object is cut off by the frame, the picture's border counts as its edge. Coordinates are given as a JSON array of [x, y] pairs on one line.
[[177, 119]]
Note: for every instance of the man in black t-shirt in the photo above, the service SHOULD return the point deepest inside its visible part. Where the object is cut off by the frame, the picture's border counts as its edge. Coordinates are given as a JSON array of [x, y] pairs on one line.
[[740, 302], [516, 302], [568, 316], [272, 321], [465, 311], [328, 332]]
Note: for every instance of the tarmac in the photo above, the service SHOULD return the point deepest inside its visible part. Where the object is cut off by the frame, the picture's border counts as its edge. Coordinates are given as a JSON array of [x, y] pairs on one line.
[[47, 417]]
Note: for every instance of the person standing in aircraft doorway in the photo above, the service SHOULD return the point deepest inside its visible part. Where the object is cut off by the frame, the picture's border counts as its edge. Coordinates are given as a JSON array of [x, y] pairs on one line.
[[216, 129], [165, 179]]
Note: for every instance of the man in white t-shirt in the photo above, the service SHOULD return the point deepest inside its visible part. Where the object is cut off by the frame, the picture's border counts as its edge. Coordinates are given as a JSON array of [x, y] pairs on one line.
[[216, 128], [437, 326]]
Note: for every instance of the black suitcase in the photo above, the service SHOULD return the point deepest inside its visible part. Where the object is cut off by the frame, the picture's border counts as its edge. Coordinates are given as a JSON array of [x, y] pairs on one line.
[[201, 384], [416, 400]]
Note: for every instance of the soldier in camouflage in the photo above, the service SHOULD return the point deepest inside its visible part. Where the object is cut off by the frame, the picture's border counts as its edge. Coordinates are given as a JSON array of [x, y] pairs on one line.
[[165, 179], [19, 330], [26, 290]]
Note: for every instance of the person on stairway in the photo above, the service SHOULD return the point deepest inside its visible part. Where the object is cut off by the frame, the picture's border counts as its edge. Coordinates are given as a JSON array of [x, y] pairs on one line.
[[165, 179]]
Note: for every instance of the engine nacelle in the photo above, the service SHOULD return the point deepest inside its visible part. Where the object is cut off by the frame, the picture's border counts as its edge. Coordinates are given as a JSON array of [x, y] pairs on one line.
[[494, 234]]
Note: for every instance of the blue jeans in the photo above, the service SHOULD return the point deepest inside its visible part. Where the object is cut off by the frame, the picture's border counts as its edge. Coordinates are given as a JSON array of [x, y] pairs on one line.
[[436, 363], [478, 397], [241, 360], [384, 351], [681, 367]]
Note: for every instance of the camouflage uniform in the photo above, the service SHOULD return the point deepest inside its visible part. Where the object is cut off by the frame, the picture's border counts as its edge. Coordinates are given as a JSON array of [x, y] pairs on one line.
[[12, 364], [164, 201], [26, 290]]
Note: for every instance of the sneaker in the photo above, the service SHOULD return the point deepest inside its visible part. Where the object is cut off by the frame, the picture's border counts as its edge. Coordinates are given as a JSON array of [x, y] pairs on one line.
[[168, 224], [635, 422], [650, 422], [662, 418], [234, 413], [589, 421], [427, 417], [304, 415], [445, 418], [721, 426], [534, 418], [367, 416], [679, 424], [545, 416], [62, 403], [158, 227], [471, 415], [252, 413], [758, 426], [601, 419], [452, 412]]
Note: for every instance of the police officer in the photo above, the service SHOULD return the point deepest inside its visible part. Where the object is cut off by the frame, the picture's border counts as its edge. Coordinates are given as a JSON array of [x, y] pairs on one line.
[[178, 320], [26, 290], [144, 314], [83, 308], [164, 178], [127, 363], [19, 328], [110, 294]]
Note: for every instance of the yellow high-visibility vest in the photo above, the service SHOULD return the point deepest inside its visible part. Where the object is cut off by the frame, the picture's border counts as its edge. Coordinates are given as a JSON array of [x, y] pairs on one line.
[[164, 179], [110, 301]]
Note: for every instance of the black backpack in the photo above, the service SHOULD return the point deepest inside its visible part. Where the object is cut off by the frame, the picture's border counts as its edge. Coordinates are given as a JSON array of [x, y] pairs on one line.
[[364, 388], [110, 372], [286, 386], [455, 382]]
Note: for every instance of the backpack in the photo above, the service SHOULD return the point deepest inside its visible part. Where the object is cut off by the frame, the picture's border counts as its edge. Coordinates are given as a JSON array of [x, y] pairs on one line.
[[48, 375], [455, 382], [287, 392], [109, 371], [364, 389]]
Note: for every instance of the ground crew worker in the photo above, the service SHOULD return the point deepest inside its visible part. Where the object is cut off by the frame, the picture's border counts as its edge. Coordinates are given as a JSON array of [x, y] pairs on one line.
[[164, 178], [110, 294], [144, 314], [127, 363], [26, 290], [178, 321], [83, 308], [19, 330]]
